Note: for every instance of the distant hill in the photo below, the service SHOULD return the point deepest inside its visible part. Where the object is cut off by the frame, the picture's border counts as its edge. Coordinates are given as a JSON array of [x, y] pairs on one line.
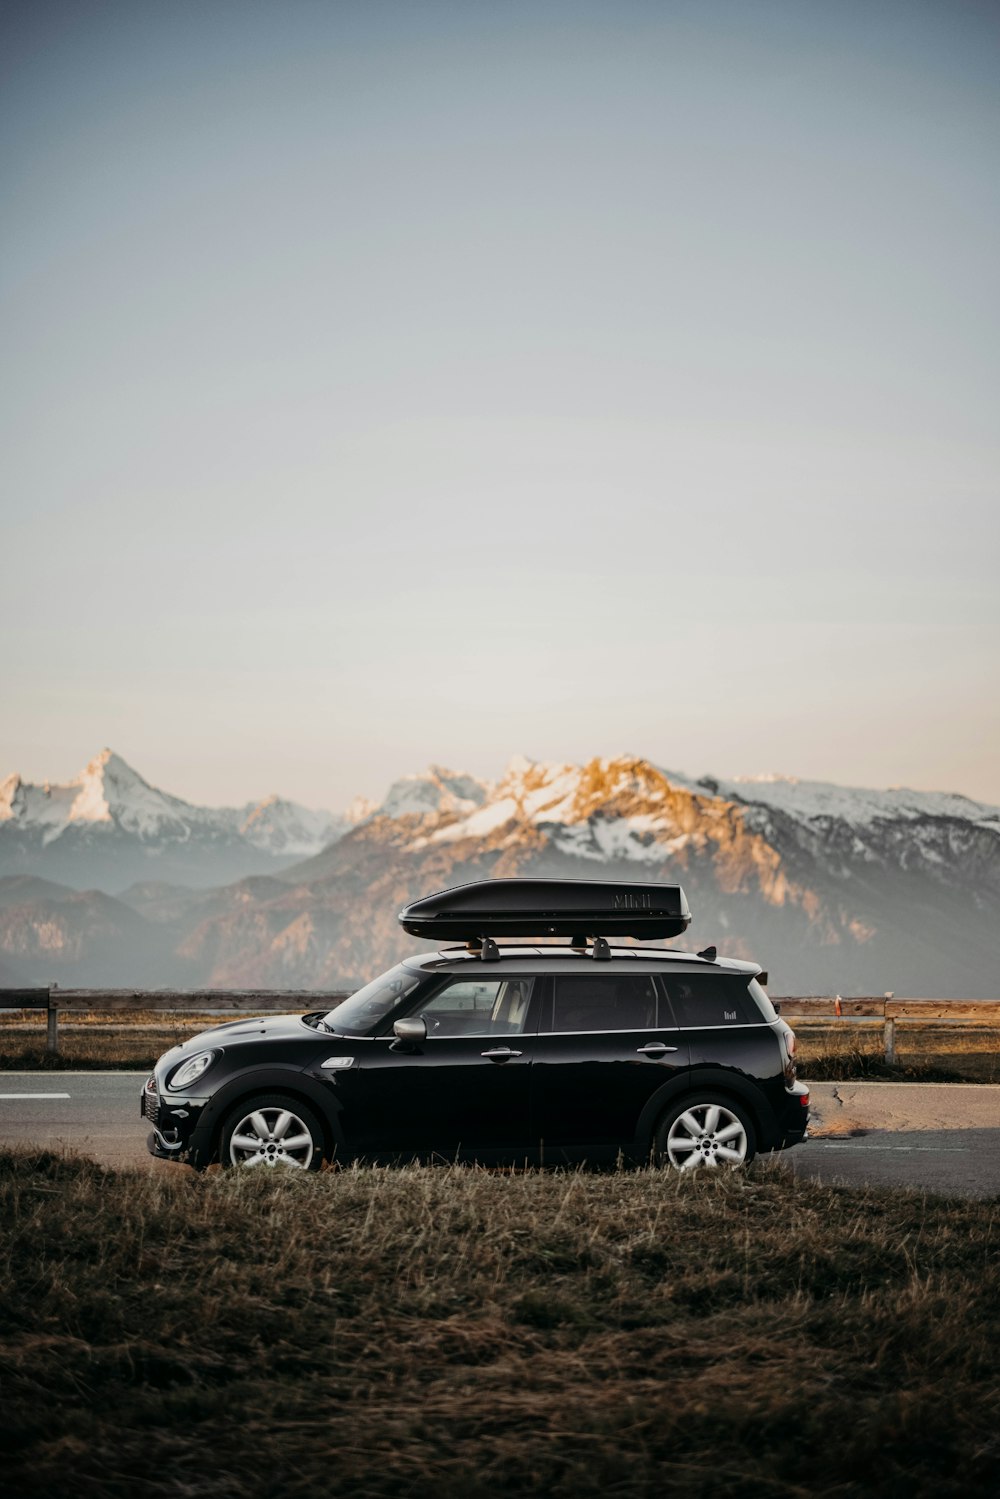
[[68, 936]]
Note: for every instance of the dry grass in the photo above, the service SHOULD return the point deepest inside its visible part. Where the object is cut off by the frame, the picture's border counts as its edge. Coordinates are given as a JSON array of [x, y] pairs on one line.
[[463, 1334], [97, 1041], [924, 1053], [157, 1019], [99, 1050]]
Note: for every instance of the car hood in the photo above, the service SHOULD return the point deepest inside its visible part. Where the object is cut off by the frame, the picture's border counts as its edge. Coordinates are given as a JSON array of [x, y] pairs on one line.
[[267, 1027]]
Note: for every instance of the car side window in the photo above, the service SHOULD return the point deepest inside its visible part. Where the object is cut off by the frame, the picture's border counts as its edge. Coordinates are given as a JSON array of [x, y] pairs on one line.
[[478, 1007], [700, 999], [612, 1002]]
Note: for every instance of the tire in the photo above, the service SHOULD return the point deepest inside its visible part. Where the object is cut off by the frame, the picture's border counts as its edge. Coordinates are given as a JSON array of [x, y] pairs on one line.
[[688, 1136], [272, 1130]]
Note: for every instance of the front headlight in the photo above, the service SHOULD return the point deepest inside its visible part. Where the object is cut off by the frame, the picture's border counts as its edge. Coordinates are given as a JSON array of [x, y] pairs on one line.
[[189, 1072]]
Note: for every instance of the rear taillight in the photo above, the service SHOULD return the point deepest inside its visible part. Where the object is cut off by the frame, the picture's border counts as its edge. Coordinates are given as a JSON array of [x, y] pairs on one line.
[[788, 1043]]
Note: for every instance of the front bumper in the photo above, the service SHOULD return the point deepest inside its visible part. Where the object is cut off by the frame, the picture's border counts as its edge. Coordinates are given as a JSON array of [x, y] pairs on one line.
[[173, 1122], [162, 1148]]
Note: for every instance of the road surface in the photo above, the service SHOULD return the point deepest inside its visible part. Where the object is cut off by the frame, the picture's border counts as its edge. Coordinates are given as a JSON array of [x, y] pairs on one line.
[[942, 1137], [95, 1113]]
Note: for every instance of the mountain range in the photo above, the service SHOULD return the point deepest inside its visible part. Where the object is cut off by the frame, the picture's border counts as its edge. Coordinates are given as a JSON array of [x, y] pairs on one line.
[[833, 889], [109, 827]]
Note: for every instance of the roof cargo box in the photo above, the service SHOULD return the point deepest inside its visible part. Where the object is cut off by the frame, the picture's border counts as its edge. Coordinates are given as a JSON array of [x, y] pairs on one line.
[[548, 908]]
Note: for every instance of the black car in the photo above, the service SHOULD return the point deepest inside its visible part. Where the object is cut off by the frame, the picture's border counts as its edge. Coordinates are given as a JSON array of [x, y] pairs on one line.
[[534, 1052]]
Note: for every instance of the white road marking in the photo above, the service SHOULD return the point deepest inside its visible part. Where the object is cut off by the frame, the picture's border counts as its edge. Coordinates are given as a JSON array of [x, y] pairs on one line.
[[34, 1095], [857, 1145]]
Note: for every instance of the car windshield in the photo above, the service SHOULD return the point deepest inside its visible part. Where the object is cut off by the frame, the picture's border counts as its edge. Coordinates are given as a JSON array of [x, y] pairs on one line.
[[371, 1004]]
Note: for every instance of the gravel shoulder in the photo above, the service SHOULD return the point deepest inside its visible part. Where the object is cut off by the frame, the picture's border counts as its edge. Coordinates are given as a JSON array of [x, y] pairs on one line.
[[840, 1109]]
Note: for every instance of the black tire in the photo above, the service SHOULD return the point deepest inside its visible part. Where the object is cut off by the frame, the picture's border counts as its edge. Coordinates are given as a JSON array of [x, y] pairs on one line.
[[266, 1146], [682, 1136]]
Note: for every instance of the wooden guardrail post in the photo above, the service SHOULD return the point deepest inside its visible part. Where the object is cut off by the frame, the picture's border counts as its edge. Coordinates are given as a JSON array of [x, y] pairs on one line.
[[890, 1040], [889, 1033], [52, 1029]]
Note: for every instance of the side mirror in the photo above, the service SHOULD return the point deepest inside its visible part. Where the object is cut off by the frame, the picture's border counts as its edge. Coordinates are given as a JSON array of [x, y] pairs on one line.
[[409, 1032]]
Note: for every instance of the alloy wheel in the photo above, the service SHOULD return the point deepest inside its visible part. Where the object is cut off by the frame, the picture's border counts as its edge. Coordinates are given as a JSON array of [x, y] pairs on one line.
[[706, 1134], [271, 1136]]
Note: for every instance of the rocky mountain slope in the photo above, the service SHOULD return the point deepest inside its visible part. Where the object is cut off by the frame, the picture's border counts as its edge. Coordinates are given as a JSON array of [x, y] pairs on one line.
[[832, 889], [109, 828]]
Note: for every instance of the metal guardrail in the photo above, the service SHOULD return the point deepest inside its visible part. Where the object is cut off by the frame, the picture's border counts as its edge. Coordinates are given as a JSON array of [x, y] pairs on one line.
[[54, 1001]]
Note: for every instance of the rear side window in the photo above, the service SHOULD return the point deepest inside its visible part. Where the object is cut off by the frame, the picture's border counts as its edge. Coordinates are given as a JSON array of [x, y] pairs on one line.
[[608, 1003], [711, 999]]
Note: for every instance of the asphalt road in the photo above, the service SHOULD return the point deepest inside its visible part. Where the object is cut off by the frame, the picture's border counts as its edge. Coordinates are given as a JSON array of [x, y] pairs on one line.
[[938, 1137], [962, 1162], [96, 1113]]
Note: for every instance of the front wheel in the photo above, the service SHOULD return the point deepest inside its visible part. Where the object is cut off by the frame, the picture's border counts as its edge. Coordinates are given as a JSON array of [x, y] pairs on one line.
[[272, 1131], [706, 1130]]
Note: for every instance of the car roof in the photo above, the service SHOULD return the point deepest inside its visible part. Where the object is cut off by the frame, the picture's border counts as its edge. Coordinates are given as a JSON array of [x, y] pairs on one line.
[[546, 957]]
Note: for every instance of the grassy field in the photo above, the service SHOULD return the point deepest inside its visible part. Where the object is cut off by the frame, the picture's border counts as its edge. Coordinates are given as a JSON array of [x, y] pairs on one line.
[[930, 1053], [96, 1041], [924, 1053], [462, 1334]]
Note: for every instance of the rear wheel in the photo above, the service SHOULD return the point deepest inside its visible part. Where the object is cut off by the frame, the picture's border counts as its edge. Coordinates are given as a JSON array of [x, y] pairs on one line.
[[272, 1131], [706, 1130]]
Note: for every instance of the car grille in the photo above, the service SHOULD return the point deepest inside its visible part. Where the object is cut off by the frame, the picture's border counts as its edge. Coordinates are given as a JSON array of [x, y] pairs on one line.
[[151, 1107]]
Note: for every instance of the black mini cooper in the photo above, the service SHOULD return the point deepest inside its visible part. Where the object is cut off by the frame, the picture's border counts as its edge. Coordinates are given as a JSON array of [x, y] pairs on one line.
[[540, 1052]]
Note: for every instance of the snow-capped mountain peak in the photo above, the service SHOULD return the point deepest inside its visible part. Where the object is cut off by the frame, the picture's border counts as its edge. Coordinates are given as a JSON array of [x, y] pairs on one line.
[[858, 806], [284, 828], [620, 808], [109, 790], [359, 809], [627, 809], [109, 815], [44, 809], [517, 766], [433, 791], [10, 790]]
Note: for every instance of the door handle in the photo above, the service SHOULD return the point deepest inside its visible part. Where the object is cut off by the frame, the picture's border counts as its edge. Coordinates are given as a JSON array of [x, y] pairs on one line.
[[655, 1048], [500, 1054]]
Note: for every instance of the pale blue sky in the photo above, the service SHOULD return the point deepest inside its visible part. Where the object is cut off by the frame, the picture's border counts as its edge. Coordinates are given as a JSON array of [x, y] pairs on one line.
[[386, 383]]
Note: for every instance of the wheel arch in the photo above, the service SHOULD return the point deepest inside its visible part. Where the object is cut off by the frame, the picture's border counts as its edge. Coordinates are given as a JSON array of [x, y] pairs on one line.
[[708, 1080], [296, 1085]]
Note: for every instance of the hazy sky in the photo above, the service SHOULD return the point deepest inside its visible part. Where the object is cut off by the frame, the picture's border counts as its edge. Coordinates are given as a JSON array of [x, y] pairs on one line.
[[386, 383]]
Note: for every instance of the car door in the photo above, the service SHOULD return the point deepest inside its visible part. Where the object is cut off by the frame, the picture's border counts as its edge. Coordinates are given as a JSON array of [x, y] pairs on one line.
[[464, 1090], [606, 1043]]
